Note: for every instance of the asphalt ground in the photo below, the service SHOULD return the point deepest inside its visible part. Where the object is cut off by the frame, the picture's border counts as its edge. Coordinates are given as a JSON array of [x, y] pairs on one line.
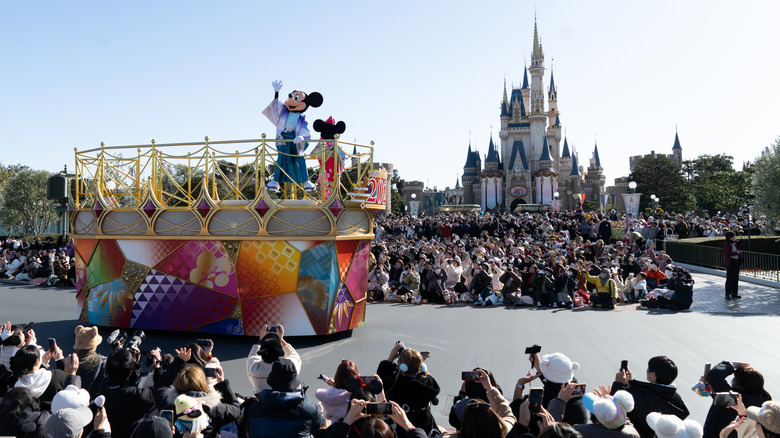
[[461, 337]]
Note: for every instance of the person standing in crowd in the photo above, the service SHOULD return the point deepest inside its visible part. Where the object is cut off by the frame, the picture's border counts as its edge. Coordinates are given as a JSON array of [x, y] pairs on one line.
[[731, 260]]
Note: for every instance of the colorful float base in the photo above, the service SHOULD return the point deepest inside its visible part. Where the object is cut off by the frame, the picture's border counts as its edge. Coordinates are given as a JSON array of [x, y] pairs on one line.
[[228, 287]]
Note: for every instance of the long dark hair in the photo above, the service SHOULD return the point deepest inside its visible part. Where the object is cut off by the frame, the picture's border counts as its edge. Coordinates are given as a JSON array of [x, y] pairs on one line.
[[480, 421]]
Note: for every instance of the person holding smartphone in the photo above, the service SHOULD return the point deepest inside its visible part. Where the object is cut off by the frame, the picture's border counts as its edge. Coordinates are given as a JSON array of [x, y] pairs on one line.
[[657, 394], [747, 382], [262, 355]]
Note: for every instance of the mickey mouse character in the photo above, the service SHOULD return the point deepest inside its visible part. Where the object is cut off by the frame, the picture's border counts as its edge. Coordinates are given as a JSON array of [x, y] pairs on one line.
[[332, 167], [291, 125]]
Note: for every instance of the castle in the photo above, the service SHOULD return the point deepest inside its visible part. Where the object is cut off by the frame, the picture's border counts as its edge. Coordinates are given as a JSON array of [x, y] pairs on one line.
[[528, 166]]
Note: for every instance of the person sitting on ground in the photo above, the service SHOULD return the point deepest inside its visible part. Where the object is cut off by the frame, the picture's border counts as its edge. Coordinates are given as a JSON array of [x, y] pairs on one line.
[[409, 384], [481, 282], [378, 283], [262, 355], [747, 381], [606, 293], [512, 283], [410, 281], [658, 394], [639, 291], [283, 410], [654, 277]]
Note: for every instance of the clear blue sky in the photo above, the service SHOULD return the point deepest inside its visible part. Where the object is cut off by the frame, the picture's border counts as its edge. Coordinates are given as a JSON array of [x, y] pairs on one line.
[[415, 77]]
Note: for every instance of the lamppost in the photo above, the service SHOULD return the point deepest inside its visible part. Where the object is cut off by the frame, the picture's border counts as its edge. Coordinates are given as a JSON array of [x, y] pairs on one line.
[[632, 186], [654, 202], [555, 204]]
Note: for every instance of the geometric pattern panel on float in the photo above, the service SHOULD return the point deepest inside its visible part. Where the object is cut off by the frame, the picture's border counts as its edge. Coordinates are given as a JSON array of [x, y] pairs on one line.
[[267, 268]]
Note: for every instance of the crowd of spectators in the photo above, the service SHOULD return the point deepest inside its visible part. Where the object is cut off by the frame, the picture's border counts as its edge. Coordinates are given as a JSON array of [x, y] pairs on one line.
[[185, 393], [38, 262], [561, 259]]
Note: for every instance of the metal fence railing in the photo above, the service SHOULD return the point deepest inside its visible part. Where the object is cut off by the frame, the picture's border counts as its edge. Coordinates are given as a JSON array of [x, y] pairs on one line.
[[754, 264]]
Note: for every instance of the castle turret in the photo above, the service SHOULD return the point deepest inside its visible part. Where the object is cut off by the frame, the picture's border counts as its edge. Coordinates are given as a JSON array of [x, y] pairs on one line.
[[677, 149]]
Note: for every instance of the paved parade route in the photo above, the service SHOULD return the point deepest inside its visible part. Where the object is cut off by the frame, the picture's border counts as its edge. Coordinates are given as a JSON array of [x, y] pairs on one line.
[[461, 337]]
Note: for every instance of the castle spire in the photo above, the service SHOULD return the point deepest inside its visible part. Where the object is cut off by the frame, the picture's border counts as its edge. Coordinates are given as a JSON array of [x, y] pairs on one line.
[[525, 76], [506, 100], [537, 46], [676, 140], [565, 153], [575, 169], [596, 155], [553, 93], [545, 151]]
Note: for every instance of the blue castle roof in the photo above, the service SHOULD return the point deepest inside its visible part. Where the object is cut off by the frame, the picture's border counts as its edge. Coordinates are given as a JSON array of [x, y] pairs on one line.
[[470, 160], [492, 155], [575, 169], [676, 142], [557, 120], [517, 95], [596, 155], [518, 148], [552, 86], [565, 153], [525, 77], [545, 151]]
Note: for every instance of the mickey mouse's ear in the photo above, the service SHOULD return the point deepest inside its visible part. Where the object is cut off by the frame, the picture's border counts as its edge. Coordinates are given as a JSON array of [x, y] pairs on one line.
[[313, 99], [318, 125], [341, 127]]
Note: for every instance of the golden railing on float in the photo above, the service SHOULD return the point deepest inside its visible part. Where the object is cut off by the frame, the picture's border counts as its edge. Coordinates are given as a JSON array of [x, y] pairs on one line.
[[153, 190], [175, 179]]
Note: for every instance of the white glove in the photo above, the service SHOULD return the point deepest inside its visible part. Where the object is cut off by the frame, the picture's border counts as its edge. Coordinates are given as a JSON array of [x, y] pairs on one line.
[[298, 140], [277, 85]]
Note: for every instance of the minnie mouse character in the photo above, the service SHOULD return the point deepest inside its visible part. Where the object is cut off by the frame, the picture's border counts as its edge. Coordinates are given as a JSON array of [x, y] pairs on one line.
[[291, 125], [330, 166]]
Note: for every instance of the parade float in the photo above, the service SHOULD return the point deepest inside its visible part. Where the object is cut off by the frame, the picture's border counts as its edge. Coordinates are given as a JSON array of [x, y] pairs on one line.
[[224, 236]]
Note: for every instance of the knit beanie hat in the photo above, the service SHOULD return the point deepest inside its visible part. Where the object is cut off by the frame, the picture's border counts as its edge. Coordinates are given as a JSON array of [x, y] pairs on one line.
[[610, 410], [558, 368], [87, 338], [670, 426]]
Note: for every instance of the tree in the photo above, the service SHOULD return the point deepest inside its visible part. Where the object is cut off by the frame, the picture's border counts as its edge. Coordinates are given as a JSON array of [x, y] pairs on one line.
[[716, 185], [25, 209], [658, 175], [397, 204], [766, 181]]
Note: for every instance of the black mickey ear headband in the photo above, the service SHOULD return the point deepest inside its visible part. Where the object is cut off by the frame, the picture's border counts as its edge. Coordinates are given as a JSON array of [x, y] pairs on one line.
[[314, 99]]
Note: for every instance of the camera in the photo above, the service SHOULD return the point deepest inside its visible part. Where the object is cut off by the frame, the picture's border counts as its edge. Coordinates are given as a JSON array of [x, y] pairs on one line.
[[203, 343], [378, 409], [116, 339], [533, 349], [135, 342]]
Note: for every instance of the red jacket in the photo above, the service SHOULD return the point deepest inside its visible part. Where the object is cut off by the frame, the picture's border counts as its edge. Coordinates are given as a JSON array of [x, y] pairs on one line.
[[728, 252]]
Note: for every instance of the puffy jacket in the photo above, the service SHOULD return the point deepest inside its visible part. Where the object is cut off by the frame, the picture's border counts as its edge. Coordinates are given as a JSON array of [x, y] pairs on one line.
[[283, 414], [651, 397]]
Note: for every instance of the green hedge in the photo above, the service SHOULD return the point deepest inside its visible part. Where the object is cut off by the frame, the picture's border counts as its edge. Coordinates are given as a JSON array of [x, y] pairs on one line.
[[764, 244]]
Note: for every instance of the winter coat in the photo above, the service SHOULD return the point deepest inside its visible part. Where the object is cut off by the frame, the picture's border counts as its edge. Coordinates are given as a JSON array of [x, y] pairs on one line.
[[92, 370], [126, 406], [257, 369], [415, 394], [282, 414], [221, 405], [335, 402], [28, 424], [719, 416], [651, 397]]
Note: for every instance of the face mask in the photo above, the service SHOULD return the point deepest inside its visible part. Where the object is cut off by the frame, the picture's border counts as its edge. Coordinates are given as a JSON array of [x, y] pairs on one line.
[[605, 275]]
